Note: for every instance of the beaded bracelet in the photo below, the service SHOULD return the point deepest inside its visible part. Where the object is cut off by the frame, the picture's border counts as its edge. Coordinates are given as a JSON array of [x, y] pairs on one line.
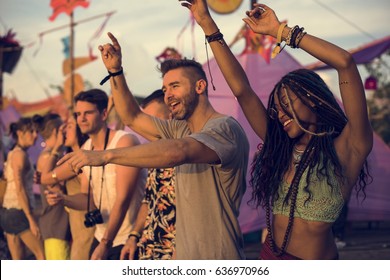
[[110, 74], [294, 36], [299, 37], [290, 34]]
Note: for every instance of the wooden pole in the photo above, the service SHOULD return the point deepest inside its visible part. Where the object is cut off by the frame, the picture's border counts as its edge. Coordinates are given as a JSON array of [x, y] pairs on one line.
[[75, 23], [71, 52], [1, 78]]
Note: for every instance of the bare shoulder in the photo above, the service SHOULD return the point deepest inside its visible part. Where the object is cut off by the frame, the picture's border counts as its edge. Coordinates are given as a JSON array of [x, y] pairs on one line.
[[19, 155], [19, 159], [128, 140]]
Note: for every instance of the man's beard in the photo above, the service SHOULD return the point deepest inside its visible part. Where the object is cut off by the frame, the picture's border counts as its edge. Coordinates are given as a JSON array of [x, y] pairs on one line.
[[189, 103]]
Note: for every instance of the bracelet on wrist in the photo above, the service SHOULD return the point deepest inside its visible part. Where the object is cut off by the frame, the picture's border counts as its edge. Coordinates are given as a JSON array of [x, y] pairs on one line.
[[54, 176], [106, 242], [278, 48], [110, 74], [295, 36], [216, 36], [134, 233], [290, 35]]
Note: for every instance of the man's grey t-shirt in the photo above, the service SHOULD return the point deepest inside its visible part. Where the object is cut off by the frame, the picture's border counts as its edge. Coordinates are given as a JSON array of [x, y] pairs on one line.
[[208, 196]]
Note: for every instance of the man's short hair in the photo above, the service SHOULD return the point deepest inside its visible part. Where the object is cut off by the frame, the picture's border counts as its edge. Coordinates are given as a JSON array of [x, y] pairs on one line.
[[193, 69], [94, 96]]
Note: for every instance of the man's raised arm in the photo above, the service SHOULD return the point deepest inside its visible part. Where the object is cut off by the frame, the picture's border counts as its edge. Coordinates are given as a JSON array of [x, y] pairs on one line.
[[125, 103]]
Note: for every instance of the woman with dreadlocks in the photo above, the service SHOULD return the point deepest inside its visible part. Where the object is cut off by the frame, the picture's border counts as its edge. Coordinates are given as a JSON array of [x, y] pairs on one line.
[[313, 154]]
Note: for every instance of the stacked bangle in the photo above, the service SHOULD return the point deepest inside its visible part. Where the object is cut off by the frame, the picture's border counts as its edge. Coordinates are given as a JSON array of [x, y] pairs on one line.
[[290, 34], [299, 38], [295, 36]]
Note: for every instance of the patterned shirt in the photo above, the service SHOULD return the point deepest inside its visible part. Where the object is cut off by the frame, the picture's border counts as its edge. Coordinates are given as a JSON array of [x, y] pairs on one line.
[[158, 238]]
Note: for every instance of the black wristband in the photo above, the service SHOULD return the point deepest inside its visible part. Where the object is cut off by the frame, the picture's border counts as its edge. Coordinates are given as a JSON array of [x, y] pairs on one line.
[[106, 78], [135, 234], [216, 36]]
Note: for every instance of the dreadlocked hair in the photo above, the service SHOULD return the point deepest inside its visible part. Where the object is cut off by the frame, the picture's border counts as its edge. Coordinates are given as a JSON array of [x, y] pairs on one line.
[[273, 159]]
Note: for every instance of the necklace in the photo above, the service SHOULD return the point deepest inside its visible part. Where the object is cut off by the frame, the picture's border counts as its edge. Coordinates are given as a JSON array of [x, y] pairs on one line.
[[21, 147], [293, 200], [297, 156]]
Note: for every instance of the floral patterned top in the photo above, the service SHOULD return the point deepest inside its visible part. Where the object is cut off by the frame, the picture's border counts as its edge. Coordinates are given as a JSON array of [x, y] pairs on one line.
[[158, 238]]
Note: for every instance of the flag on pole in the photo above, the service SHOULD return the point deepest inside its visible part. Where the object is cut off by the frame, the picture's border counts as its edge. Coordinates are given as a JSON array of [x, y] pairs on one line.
[[66, 6], [66, 42]]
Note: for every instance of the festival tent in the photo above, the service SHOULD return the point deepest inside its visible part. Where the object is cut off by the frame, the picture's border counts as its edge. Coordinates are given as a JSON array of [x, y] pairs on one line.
[[362, 55], [376, 205], [263, 76]]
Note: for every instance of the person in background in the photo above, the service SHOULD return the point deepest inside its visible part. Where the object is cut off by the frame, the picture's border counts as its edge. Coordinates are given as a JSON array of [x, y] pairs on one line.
[[111, 194], [208, 150], [53, 220], [313, 154], [4, 251], [153, 234], [71, 137], [17, 217]]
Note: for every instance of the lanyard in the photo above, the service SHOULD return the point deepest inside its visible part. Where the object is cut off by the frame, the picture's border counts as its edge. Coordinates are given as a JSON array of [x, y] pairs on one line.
[[102, 179]]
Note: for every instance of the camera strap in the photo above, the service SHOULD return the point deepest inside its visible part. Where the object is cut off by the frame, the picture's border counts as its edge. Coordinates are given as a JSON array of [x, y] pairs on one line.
[[102, 179]]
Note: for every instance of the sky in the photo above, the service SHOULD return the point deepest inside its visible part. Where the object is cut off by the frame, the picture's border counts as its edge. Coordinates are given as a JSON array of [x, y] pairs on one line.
[[145, 28]]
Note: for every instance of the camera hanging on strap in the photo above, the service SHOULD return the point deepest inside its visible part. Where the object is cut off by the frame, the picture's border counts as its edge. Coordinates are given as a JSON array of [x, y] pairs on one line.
[[95, 216]]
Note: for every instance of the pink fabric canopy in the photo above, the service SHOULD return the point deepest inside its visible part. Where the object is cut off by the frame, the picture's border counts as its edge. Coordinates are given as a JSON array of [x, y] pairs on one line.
[[362, 55], [376, 206]]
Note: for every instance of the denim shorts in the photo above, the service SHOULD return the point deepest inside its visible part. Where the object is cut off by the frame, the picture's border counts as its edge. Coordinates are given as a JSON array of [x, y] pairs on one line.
[[13, 221]]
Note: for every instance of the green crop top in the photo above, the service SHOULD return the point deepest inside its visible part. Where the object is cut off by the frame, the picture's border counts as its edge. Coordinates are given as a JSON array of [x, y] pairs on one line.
[[325, 205]]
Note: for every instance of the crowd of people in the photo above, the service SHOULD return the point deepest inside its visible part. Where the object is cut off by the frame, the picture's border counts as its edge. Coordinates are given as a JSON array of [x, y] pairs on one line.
[[177, 196]]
